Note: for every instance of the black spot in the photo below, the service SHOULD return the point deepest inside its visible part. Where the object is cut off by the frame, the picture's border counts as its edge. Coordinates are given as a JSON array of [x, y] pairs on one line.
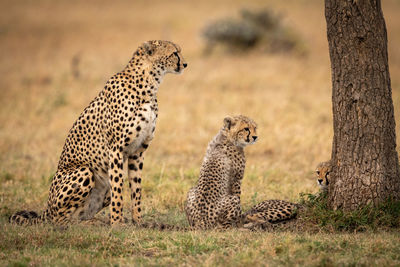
[[132, 167], [138, 128], [141, 165], [86, 183]]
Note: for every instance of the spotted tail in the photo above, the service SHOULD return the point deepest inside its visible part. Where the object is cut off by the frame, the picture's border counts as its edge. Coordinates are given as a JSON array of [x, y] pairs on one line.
[[25, 217], [271, 211], [162, 227]]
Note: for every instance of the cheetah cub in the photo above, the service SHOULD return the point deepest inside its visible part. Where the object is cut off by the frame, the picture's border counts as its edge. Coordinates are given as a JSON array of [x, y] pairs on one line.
[[106, 143], [215, 201], [322, 171]]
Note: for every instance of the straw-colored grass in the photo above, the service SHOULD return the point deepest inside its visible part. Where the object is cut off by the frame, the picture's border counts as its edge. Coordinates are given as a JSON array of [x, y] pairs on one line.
[[42, 92]]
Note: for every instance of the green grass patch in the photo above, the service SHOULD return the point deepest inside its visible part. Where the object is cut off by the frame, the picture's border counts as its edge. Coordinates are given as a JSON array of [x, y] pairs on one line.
[[383, 216]]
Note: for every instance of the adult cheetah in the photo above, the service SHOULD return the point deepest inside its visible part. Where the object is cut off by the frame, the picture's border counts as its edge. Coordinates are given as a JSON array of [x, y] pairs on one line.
[[215, 201], [108, 140]]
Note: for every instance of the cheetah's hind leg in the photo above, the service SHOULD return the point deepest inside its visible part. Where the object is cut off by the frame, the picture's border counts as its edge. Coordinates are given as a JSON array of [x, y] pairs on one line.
[[69, 194]]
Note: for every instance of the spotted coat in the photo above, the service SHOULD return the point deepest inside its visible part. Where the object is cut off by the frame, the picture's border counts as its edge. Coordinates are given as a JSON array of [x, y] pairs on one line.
[[108, 140], [215, 201]]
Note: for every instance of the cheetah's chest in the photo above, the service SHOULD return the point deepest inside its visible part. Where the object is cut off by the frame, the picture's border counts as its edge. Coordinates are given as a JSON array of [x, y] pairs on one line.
[[144, 128]]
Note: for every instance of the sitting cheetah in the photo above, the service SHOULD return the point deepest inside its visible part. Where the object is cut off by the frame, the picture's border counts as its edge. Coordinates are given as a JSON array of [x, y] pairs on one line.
[[108, 141], [215, 201], [322, 171]]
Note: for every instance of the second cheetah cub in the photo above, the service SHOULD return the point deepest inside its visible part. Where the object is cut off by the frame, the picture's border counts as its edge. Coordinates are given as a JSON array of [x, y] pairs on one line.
[[323, 170]]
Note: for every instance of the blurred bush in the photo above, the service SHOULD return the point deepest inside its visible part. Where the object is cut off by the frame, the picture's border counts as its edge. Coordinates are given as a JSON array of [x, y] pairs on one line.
[[261, 30]]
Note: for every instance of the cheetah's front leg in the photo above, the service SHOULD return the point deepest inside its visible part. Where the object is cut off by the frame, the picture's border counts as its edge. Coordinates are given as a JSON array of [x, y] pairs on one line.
[[235, 188], [135, 166], [116, 176], [229, 211]]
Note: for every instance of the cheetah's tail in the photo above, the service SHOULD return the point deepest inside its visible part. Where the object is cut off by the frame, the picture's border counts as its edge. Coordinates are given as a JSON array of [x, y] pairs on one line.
[[25, 217], [162, 227]]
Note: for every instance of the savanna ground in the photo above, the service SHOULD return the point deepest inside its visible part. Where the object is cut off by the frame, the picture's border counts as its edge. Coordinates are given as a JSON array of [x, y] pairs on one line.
[[57, 55]]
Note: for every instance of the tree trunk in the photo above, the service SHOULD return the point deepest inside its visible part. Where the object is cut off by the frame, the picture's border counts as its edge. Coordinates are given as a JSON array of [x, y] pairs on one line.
[[364, 158]]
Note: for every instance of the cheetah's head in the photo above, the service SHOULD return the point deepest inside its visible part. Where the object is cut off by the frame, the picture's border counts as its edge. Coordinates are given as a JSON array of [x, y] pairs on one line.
[[240, 130], [163, 56], [322, 171]]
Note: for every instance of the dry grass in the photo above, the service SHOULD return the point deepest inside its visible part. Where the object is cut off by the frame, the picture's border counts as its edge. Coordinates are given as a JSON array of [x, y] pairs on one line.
[[287, 95], [94, 246]]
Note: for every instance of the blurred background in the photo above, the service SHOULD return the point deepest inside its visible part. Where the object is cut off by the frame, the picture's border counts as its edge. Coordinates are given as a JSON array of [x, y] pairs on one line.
[[268, 60]]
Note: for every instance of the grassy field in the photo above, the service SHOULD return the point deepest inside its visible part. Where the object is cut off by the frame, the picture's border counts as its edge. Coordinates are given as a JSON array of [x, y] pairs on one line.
[[56, 56]]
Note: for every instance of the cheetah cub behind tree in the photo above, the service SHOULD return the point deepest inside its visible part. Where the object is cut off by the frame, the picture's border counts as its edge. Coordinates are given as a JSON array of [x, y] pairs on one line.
[[323, 170], [108, 141]]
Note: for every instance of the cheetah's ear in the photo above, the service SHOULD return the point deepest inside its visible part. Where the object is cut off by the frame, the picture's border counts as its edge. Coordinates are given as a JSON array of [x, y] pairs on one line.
[[148, 48], [228, 121]]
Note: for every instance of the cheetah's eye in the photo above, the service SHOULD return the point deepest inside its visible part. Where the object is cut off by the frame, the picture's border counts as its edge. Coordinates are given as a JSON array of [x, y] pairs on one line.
[[246, 129], [317, 172]]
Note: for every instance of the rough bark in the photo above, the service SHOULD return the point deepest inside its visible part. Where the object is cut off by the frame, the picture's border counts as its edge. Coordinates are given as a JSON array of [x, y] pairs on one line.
[[364, 157]]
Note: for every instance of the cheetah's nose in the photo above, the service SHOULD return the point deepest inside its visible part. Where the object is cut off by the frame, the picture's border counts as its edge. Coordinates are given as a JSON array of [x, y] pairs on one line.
[[254, 138], [320, 181], [184, 65]]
